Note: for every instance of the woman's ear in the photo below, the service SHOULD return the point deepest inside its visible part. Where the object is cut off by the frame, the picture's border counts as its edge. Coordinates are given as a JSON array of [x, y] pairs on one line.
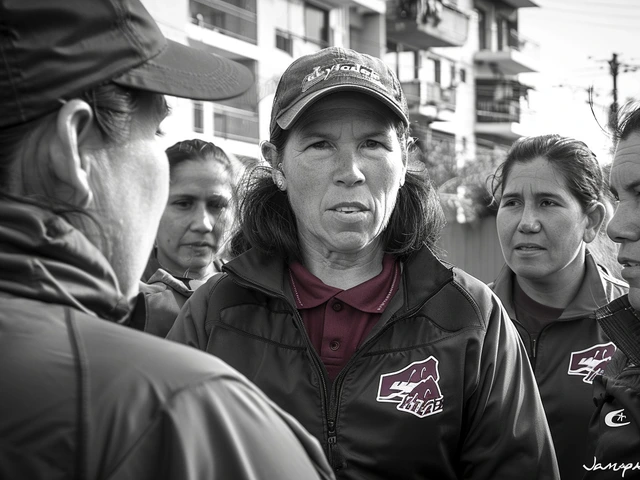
[[270, 154], [595, 218], [71, 168]]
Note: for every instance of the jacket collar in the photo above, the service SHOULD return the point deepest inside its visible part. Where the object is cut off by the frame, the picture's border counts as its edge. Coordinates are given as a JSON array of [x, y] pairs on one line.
[[44, 258], [423, 275], [591, 295]]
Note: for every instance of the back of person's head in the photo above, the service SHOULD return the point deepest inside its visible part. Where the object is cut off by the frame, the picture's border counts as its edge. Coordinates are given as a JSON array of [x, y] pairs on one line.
[[81, 95], [571, 158]]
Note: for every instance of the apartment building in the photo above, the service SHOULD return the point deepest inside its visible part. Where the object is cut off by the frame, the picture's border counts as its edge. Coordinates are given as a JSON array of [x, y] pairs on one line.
[[458, 61]]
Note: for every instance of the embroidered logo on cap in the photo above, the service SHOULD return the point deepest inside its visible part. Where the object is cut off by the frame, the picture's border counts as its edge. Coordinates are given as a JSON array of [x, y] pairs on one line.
[[414, 388], [354, 70], [591, 361]]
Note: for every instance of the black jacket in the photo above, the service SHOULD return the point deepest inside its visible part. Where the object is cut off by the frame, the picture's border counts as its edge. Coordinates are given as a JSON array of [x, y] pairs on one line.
[[440, 389], [614, 431], [566, 356], [85, 398]]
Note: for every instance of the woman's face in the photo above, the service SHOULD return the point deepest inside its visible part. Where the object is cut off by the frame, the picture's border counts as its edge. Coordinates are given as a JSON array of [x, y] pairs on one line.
[[195, 217], [541, 225], [343, 167]]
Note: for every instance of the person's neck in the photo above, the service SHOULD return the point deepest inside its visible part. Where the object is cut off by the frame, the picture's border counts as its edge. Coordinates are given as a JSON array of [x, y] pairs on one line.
[[200, 274], [344, 271], [557, 290]]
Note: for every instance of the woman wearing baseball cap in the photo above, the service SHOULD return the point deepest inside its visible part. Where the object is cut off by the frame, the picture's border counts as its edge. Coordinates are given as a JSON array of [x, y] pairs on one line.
[[83, 184], [336, 306]]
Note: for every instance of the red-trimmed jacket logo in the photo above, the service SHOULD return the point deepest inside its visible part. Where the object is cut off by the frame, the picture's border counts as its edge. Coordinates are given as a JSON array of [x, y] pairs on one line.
[[414, 388], [591, 361]]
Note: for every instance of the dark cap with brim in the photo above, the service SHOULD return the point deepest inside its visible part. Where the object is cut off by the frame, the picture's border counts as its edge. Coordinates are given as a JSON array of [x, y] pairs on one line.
[[332, 70], [55, 49]]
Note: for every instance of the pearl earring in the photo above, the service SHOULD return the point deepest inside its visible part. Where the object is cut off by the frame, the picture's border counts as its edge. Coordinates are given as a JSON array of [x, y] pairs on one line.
[[280, 184]]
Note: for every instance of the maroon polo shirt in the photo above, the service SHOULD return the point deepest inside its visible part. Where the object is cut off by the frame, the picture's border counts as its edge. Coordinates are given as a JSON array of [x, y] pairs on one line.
[[337, 321]]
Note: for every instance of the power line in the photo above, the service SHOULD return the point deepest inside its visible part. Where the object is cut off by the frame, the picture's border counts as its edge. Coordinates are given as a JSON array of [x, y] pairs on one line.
[[591, 3]]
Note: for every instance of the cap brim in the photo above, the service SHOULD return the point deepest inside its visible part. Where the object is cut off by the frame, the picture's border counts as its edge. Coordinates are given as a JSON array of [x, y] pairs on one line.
[[186, 72], [293, 113]]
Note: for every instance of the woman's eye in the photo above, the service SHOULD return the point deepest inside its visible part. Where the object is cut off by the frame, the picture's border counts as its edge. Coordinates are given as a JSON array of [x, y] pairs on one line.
[[182, 203], [320, 145], [217, 206], [371, 144], [548, 203]]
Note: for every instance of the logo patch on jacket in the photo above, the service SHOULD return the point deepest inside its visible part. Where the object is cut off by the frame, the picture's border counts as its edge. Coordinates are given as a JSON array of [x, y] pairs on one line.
[[591, 362], [414, 388]]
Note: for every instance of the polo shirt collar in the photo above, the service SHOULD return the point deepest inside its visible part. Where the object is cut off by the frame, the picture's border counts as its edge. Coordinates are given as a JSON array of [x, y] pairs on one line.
[[371, 296]]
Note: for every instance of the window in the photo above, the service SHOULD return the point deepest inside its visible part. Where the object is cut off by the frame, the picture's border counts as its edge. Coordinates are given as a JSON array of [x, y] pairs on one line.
[[316, 24], [463, 75], [437, 71], [482, 30], [198, 117], [407, 66], [284, 42], [226, 18]]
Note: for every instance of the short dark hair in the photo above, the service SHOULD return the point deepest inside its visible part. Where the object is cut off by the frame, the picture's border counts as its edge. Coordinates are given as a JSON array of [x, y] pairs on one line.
[[266, 220], [113, 108], [628, 120], [570, 157]]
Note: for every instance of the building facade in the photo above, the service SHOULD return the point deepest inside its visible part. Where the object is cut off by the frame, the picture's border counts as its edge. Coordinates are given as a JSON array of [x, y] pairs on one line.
[[458, 61]]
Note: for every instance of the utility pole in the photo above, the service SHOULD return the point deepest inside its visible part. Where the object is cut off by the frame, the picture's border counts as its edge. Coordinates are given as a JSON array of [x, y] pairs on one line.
[[613, 113]]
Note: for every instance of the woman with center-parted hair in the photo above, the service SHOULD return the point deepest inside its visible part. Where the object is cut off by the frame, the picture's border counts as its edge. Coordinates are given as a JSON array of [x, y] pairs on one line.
[[551, 198], [188, 248], [336, 307]]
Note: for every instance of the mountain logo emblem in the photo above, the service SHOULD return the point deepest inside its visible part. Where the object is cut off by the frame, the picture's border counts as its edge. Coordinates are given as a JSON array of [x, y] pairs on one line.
[[591, 362], [414, 388]]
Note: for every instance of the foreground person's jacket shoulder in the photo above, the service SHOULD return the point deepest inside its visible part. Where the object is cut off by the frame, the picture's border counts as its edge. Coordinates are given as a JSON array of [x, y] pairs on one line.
[[83, 397], [441, 388], [614, 431]]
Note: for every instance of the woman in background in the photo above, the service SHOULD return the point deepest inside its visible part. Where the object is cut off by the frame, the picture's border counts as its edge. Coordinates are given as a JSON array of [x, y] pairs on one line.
[[191, 230], [551, 195]]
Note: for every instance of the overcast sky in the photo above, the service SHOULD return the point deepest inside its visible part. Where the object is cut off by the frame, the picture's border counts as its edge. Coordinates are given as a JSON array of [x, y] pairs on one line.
[[577, 38]]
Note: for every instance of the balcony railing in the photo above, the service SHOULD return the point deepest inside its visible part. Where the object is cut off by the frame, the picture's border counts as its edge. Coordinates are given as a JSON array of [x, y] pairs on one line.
[[498, 112], [297, 45], [518, 42], [421, 93], [235, 124], [411, 23], [225, 18]]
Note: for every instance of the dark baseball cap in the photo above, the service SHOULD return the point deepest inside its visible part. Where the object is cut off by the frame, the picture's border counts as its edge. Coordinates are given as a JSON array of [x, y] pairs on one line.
[[55, 49], [332, 70]]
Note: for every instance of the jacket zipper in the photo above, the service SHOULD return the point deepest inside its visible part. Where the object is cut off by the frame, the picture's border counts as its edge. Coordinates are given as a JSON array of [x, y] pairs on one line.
[[330, 399], [534, 342], [331, 437], [337, 384]]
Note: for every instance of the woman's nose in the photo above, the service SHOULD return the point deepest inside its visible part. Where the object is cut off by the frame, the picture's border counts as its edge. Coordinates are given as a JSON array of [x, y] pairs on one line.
[[347, 171], [529, 222], [202, 220]]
